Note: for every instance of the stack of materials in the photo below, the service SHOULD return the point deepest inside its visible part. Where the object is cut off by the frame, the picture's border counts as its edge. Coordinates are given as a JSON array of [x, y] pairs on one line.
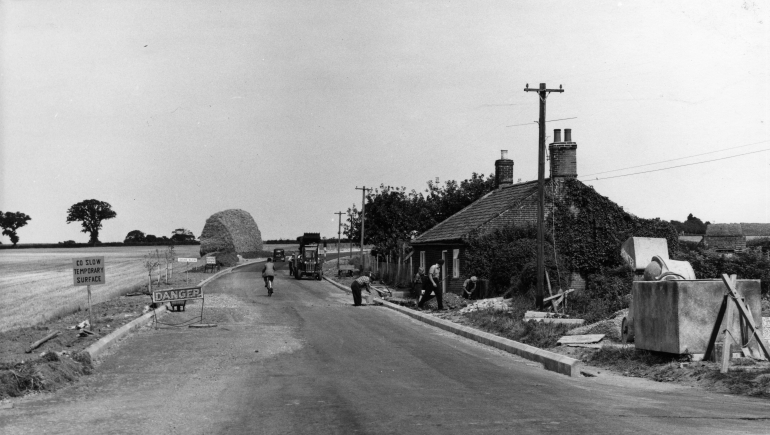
[[230, 233], [493, 304]]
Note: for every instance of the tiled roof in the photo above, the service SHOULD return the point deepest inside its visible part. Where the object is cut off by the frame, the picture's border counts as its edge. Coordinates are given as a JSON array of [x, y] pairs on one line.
[[491, 205], [756, 229], [724, 230]]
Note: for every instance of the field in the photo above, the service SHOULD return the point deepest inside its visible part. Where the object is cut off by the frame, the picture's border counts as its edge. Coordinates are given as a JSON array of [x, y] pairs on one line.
[[36, 284]]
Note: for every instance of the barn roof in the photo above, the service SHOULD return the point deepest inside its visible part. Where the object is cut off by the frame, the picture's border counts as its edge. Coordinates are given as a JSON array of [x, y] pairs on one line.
[[756, 229], [724, 230]]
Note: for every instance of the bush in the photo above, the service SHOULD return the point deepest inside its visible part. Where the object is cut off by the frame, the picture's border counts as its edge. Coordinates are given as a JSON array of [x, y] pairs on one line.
[[710, 265], [606, 293]]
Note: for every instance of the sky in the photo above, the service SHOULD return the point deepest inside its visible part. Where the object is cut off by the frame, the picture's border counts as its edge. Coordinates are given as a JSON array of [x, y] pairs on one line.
[[171, 110]]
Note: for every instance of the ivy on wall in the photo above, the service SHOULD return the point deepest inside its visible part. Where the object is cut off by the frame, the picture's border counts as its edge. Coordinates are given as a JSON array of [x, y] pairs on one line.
[[590, 228], [586, 228]]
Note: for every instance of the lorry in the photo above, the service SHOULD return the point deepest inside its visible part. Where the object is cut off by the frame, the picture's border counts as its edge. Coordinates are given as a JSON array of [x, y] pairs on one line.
[[279, 255], [309, 260]]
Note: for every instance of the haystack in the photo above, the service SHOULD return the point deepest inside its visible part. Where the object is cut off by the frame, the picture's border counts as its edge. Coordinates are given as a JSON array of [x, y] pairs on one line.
[[230, 233]]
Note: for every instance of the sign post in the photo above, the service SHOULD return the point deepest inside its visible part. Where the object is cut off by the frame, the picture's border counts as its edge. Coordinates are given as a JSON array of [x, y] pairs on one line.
[[187, 269], [88, 271]]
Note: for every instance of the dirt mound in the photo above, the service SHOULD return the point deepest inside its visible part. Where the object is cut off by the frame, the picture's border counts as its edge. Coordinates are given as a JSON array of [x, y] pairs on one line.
[[451, 302], [229, 233], [46, 373]]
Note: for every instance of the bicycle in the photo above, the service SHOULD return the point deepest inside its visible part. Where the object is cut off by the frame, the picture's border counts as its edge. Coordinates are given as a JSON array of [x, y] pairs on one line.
[[269, 285]]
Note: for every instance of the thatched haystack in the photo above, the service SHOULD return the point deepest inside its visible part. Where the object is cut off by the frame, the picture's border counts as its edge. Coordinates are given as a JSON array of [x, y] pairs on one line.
[[229, 233]]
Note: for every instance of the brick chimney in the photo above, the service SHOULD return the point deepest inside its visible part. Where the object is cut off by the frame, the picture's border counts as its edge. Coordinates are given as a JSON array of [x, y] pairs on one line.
[[503, 170], [563, 155]]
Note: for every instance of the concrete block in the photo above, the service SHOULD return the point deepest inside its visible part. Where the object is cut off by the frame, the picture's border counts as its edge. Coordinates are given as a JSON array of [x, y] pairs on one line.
[[678, 316], [638, 251]]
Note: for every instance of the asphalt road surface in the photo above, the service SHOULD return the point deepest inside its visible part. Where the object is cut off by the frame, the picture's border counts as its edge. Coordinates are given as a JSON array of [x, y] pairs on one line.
[[305, 361]]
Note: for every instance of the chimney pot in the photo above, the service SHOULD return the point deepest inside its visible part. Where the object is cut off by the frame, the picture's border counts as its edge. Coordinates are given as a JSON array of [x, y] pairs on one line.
[[557, 135], [567, 135], [503, 154]]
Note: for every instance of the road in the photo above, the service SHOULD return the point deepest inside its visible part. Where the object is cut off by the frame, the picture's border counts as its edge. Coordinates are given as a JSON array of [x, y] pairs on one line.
[[305, 361]]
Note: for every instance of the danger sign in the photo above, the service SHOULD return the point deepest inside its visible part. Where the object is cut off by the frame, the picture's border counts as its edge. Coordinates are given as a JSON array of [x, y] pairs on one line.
[[88, 271], [179, 294]]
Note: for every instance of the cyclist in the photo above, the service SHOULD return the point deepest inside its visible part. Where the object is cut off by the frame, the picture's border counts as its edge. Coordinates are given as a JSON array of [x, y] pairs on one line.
[[268, 273]]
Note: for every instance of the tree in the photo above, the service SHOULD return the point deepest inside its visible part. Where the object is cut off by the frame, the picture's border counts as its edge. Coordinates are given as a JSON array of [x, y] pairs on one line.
[[182, 235], [134, 236], [692, 225], [393, 214], [10, 222], [90, 213]]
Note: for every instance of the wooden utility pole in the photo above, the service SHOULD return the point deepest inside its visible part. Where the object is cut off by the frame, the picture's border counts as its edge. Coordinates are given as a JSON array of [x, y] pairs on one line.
[[364, 191], [339, 237], [543, 94]]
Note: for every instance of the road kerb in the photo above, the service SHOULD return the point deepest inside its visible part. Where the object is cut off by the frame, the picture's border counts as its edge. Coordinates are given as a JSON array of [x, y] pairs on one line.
[[105, 342], [551, 361]]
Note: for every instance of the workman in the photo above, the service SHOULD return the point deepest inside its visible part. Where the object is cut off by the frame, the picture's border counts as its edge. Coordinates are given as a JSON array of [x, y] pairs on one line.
[[290, 259], [432, 286], [364, 281], [469, 286]]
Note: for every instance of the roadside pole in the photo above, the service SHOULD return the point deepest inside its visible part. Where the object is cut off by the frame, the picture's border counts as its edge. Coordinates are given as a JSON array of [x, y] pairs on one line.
[[339, 235], [364, 191], [187, 269], [90, 310], [543, 94]]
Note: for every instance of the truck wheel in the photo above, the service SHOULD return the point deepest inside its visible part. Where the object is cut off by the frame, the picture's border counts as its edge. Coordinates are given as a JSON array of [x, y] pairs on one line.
[[297, 274]]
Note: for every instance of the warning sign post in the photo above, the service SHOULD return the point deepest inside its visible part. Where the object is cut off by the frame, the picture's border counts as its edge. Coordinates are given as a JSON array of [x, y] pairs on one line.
[[89, 271]]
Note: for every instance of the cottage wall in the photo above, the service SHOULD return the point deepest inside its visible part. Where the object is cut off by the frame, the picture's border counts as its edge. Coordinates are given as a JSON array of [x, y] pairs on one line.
[[433, 253]]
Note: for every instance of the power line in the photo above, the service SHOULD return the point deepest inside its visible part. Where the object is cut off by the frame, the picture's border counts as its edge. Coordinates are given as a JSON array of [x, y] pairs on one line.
[[680, 166], [678, 158], [550, 120]]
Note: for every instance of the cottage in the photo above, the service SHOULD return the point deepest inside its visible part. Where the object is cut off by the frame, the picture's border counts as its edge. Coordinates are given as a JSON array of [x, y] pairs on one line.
[[507, 204]]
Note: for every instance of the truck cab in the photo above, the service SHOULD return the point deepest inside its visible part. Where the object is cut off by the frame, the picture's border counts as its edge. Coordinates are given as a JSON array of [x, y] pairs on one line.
[[279, 255], [308, 261]]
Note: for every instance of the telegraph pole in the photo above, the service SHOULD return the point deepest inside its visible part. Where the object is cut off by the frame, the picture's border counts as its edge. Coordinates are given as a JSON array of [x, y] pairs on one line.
[[339, 237], [543, 94], [364, 191]]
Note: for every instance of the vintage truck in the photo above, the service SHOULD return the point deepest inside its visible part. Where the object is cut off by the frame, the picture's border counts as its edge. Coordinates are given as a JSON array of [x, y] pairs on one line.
[[279, 255], [309, 258]]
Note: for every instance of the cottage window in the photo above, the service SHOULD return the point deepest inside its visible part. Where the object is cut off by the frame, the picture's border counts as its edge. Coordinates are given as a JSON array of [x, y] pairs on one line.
[[422, 259], [455, 263]]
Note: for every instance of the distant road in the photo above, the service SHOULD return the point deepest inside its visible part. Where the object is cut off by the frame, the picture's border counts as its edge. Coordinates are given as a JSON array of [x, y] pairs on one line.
[[305, 361]]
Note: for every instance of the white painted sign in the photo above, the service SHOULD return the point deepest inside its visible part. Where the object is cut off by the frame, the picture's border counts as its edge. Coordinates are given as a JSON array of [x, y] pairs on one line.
[[187, 260], [88, 271], [211, 260]]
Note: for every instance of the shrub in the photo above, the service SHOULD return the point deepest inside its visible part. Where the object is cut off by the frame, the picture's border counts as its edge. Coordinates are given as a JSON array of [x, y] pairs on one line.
[[710, 265], [606, 293]]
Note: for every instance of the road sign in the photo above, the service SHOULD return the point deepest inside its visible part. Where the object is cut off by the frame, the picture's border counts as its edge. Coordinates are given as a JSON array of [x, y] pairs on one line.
[[88, 271], [211, 260], [181, 294], [187, 260]]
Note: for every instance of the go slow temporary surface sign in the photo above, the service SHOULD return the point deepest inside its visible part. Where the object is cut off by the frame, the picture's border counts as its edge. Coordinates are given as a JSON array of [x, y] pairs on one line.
[[88, 271], [177, 294]]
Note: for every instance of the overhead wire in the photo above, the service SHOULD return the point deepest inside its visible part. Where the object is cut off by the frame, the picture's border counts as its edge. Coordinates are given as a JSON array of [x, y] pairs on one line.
[[680, 166], [678, 158]]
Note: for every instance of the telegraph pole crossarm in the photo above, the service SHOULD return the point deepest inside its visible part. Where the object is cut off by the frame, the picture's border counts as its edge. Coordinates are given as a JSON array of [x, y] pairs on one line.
[[543, 94]]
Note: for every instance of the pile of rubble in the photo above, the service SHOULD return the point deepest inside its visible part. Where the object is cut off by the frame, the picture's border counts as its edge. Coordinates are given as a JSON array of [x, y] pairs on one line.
[[492, 304]]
